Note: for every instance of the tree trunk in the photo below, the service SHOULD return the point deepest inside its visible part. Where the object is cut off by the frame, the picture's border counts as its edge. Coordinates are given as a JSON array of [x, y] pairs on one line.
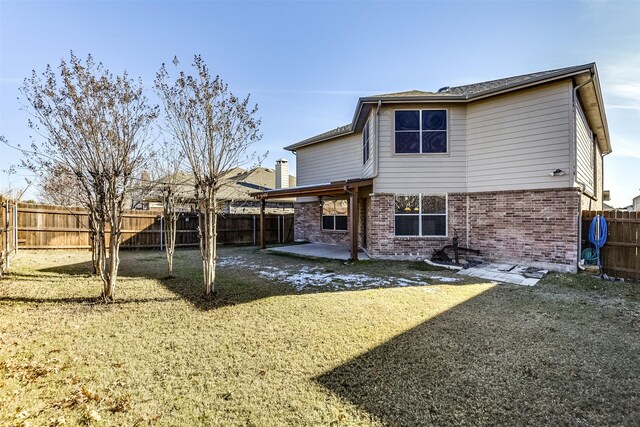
[[170, 226], [207, 228], [114, 262], [95, 244], [101, 257], [110, 271]]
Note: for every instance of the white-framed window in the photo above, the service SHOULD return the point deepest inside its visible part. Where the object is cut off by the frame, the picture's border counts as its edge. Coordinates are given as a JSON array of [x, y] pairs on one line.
[[365, 143], [421, 215], [421, 131], [334, 215]]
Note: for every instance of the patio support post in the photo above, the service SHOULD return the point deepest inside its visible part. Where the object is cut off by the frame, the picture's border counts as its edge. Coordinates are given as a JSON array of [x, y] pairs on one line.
[[263, 243], [354, 210]]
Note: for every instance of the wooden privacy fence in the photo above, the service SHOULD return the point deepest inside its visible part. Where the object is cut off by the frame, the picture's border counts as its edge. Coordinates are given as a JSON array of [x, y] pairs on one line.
[[8, 232], [620, 255], [57, 227]]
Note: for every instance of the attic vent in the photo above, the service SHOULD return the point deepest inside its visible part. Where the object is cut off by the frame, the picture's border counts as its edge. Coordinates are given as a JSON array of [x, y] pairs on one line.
[[443, 89]]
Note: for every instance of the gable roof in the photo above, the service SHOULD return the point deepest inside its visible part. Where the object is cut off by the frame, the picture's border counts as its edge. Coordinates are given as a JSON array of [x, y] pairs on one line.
[[466, 93], [238, 184]]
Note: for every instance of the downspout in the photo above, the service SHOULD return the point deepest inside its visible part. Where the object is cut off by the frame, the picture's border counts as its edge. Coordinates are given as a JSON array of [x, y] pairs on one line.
[[574, 165], [574, 135], [601, 178]]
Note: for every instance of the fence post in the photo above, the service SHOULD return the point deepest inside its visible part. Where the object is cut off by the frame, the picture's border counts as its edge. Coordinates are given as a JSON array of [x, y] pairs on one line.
[[278, 218], [161, 230], [7, 234], [15, 227]]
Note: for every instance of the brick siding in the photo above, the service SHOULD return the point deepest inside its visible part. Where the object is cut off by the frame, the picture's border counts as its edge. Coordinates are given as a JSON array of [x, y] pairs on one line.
[[308, 226], [538, 227]]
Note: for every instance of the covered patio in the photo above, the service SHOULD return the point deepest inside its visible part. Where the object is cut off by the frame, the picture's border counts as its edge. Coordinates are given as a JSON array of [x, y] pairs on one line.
[[353, 189]]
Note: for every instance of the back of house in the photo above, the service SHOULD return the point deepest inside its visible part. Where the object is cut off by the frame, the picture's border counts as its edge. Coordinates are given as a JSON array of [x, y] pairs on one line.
[[506, 165]]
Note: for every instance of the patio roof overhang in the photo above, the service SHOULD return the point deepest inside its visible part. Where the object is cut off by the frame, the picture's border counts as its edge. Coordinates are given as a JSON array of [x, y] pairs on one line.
[[335, 188], [353, 189]]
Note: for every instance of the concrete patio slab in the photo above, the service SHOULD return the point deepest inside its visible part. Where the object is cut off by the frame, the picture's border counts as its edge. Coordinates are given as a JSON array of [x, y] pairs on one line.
[[320, 250], [507, 273]]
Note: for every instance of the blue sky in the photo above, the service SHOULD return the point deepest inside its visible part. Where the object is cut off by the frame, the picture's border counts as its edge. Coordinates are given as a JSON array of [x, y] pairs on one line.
[[305, 63]]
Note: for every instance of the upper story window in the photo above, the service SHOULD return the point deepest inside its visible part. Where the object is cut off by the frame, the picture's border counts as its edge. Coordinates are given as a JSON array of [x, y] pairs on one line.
[[365, 143], [421, 215], [421, 131], [334, 215]]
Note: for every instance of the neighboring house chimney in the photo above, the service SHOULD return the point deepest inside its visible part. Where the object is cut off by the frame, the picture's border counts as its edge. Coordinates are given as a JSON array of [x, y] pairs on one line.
[[282, 173]]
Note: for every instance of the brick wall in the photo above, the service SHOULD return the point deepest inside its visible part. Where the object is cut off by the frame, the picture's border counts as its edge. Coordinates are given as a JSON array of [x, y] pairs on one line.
[[308, 226], [537, 227]]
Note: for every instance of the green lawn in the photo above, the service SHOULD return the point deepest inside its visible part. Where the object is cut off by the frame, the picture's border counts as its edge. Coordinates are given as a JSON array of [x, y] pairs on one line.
[[291, 341]]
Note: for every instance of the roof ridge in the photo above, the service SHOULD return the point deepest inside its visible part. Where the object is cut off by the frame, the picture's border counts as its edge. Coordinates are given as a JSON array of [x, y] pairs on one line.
[[463, 93], [520, 76]]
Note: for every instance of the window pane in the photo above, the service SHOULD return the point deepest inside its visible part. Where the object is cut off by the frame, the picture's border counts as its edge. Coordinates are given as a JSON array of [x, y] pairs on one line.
[[407, 205], [327, 222], [434, 204], [407, 225], [434, 225], [407, 142], [434, 120], [342, 207], [328, 208], [408, 120], [341, 223], [434, 142], [365, 143]]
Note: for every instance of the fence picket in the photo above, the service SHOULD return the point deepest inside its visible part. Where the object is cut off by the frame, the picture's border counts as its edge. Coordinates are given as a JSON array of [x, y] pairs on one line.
[[7, 233], [56, 227], [620, 255]]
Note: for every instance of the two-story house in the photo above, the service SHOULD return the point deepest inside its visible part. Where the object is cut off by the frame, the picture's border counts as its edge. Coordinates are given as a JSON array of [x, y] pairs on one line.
[[506, 164]]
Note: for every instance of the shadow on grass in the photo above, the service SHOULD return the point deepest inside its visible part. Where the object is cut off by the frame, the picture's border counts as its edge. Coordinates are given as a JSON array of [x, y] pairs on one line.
[[234, 285], [85, 300], [501, 358], [232, 288]]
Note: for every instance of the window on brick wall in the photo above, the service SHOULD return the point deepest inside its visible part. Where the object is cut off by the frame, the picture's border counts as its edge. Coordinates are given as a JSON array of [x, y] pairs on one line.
[[334, 215], [421, 215]]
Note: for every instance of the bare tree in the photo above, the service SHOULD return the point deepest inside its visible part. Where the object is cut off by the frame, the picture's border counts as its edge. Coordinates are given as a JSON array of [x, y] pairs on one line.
[[215, 129], [172, 184], [60, 186], [95, 125]]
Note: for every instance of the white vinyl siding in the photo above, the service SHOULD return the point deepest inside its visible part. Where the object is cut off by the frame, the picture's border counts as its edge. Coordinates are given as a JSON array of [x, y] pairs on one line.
[[584, 152], [334, 160], [516, 140], [415, 173]]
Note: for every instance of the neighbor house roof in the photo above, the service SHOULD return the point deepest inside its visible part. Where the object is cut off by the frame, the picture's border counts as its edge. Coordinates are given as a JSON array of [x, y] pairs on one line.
[[238, 184], [471, 92]]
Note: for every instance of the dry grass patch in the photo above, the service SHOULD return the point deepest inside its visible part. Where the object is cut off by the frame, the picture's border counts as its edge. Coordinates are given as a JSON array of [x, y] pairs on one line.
[[266, 352]]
